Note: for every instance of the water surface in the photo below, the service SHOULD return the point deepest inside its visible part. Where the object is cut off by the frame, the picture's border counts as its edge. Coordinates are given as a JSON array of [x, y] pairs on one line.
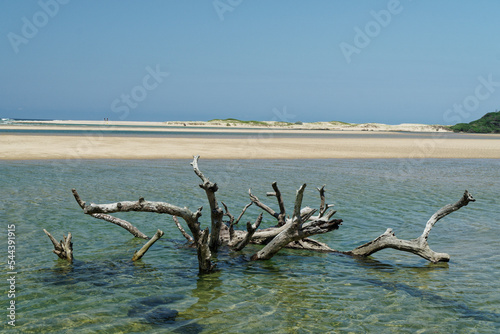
[[296, 291]]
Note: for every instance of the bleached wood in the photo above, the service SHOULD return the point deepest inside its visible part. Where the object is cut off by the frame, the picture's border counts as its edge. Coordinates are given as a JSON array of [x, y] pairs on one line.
[[251, 228], [140, 253], [216, 213], [418, 246], [184, 233], [117, 221], [64, 248], [299, 227]]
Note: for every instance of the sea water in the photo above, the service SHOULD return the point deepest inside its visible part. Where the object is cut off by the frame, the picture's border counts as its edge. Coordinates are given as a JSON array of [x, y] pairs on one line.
[[103, 291]]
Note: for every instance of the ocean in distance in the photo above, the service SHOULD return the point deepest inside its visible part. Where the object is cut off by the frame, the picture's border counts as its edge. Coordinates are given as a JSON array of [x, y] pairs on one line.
[[294, 292]]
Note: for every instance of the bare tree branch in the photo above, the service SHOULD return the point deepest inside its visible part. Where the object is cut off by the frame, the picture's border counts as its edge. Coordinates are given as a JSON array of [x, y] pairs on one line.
[[237, 246], [64, 248], [261, 205], [191, 219], [140, 253], [297, 218], [216, 213], [417, 246], [184, 233], [282, 215], [117, 221], [295, 229], [444, 211], [323, 206], [242, 213]]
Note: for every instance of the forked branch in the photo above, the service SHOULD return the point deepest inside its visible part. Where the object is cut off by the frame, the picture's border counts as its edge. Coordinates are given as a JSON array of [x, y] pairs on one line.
[[251, 228], [117, 221], [299, 227], [418, 246], [216, 213], [64, 248]]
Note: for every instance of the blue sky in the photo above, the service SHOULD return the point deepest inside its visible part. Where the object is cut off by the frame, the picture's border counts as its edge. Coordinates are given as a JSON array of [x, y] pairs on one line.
[[420, 61]]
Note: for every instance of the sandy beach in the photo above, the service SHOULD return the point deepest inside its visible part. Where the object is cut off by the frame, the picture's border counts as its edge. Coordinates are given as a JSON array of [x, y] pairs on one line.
[[262, 146]]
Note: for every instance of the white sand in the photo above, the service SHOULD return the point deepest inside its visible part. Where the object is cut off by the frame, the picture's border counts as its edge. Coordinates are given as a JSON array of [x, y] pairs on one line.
[[107, 147], [261, 146]]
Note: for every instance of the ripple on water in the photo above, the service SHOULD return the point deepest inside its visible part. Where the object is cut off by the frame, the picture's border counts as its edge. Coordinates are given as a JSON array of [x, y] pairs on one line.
[[391, 292]]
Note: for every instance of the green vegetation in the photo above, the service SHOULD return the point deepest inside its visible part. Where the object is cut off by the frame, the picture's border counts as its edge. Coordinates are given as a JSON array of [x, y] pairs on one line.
[[234, 121], [237, 121], [489, 123], [342, 123]]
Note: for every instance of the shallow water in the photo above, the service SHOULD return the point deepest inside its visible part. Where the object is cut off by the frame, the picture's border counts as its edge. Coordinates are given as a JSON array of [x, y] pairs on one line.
[[296, 291]]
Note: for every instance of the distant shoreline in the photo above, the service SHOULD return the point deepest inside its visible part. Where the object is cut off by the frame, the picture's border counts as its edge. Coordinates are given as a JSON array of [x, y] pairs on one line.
[[265, 142], [235, 124]]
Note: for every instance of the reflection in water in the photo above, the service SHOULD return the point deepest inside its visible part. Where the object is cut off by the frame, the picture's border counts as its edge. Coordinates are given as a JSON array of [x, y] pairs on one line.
[[208, 289], [385, 274]]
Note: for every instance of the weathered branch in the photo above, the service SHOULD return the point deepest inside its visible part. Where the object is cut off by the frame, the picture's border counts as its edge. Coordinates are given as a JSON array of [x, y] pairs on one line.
[[323, 206], [261, 205], [237, 246], [140, 253], [297, 218], [184, 233], [242, 213], [117, 221], [216, 213], [122, 223], [232, 222], [191, 219], [444, 211], [282, 215], [231, 217], [418, 246], [296, 229], [64, 248]]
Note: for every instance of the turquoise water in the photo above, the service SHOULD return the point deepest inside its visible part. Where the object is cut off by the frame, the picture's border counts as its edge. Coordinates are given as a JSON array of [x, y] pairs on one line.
[[295, 292]]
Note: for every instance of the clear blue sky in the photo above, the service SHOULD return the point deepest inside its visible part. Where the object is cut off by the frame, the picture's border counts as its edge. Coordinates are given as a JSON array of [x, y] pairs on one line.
[[320, 60]]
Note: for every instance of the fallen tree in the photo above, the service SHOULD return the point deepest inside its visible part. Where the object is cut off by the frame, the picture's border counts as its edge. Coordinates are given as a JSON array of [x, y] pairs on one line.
[[289, 232]]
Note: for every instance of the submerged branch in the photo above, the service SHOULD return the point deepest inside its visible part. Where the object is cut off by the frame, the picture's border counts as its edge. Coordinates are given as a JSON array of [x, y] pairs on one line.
[[140, 253], [64, 248], [418, 246]]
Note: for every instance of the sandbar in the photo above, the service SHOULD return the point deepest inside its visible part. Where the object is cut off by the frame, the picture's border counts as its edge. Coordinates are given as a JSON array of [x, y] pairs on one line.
[[34, 147]]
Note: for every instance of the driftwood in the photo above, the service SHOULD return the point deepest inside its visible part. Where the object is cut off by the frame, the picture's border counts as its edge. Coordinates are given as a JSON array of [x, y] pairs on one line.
[[299, 227], [191, 218], [238, 245], [64, 248], [184, 233], [117, 221], [216, 213], [140, 253], [418, 246], [289, 232]]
